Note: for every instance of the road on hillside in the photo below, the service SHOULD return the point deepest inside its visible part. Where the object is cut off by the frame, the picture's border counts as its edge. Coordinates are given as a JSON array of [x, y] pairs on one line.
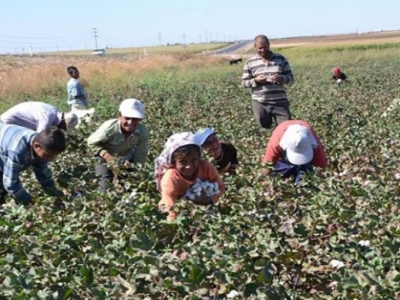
[[231, 49]]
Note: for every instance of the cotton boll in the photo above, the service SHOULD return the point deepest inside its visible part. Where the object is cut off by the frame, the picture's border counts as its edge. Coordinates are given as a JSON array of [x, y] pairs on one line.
[[336, 264], [365, 243], [232, 294]]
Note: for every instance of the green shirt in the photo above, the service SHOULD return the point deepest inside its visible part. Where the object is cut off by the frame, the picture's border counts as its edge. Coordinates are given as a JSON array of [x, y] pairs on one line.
[[109, 138]]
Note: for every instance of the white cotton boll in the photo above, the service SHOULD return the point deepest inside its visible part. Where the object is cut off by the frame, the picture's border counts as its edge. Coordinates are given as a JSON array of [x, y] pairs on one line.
[[333, 284], [364, 243], [336, 264], [232, 294], [397, 176], [367, 183]]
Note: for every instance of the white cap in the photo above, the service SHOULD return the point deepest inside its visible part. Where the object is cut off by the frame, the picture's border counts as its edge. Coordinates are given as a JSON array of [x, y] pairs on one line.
[[299, 144], [71, 120], [132, 108], [202, 135]]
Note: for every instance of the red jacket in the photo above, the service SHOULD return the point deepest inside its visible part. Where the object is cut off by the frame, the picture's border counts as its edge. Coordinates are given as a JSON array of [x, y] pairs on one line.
[[274, 152]]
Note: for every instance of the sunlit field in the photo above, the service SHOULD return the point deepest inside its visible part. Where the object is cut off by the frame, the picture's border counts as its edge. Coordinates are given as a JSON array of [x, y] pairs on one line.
[[267, 239], [160, 50]]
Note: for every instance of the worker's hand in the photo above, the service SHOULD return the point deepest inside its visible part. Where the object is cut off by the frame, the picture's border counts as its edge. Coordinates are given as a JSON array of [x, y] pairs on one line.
[[266, 172], [108, 157], [202, 199], [277, 78], [260, 78]]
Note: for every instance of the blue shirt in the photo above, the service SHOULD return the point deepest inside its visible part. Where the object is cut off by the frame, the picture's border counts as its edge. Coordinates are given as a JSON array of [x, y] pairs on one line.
[[16, 155], [75, 88]]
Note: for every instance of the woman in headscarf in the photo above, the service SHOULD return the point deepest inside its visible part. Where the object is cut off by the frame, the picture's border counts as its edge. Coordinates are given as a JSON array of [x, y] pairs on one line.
[[178, 168]]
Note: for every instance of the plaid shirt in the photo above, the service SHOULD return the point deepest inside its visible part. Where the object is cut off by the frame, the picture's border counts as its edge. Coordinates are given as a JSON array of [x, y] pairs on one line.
[[16, 155]]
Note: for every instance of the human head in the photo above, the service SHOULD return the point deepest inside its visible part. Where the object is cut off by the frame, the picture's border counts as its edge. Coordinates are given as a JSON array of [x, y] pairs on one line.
[[299, 143], [49, 143], [186, 159], [261, 44], [68, 122], [167, 159], [336, 71], [208, 139], [73, 72], [131, 112]]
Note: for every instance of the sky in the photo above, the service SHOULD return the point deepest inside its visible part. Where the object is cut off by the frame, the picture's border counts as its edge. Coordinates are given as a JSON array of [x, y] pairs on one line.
[[51, 25]]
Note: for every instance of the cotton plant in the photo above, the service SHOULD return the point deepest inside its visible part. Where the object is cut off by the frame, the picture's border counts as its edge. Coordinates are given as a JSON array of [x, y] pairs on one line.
[[199, 187], [393, 105]]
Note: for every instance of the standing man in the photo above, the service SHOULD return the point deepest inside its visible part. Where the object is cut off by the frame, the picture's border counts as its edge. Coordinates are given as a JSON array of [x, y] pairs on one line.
[[39, 116], [76, 93], [266, 74]]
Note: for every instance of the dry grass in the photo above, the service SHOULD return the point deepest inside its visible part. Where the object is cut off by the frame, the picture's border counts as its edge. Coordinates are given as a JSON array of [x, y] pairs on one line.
[[23, 78], [158, 50]]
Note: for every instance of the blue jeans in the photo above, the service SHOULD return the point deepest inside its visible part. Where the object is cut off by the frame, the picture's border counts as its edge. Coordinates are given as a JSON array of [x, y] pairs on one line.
[[287, 170]]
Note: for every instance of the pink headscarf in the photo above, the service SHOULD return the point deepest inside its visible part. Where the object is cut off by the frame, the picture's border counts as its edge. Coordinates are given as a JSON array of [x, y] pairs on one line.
[[336, 70], [164, 160]]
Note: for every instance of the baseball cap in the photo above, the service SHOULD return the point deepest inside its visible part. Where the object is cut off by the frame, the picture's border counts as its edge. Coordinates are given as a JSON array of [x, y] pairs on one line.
[[299, 144], [132, 108], [336, 70], [202, 134], [71, 120]]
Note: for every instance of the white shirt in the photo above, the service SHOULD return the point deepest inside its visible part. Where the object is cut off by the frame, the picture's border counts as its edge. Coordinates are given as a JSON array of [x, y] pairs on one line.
[[37, 116]]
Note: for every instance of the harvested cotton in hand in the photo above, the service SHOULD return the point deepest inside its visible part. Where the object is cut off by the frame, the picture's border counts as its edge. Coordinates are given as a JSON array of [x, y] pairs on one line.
[[199, 187]]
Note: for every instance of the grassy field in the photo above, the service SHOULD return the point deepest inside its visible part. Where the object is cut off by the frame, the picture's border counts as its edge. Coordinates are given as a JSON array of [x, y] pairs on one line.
[[164, 49], [267, 239]]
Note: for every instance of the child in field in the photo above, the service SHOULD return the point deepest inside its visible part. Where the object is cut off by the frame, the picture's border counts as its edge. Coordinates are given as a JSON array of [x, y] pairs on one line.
[[178, 168], [224, 153], [122, 140], [76, 93], [338, 75]]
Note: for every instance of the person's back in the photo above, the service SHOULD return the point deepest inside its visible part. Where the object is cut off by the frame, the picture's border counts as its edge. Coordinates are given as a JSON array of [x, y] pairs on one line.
[[12, 140], [34, 115]]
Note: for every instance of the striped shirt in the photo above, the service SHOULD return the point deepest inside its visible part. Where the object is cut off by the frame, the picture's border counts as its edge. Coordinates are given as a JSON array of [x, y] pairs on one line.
[[109, 138], [268, 92], [34, 115], [16, 155]]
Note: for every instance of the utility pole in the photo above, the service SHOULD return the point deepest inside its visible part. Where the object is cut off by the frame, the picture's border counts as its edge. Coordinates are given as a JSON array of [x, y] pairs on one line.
[[159, 39], [200, 38], [95, 37], [184, 39], [206, 37]]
